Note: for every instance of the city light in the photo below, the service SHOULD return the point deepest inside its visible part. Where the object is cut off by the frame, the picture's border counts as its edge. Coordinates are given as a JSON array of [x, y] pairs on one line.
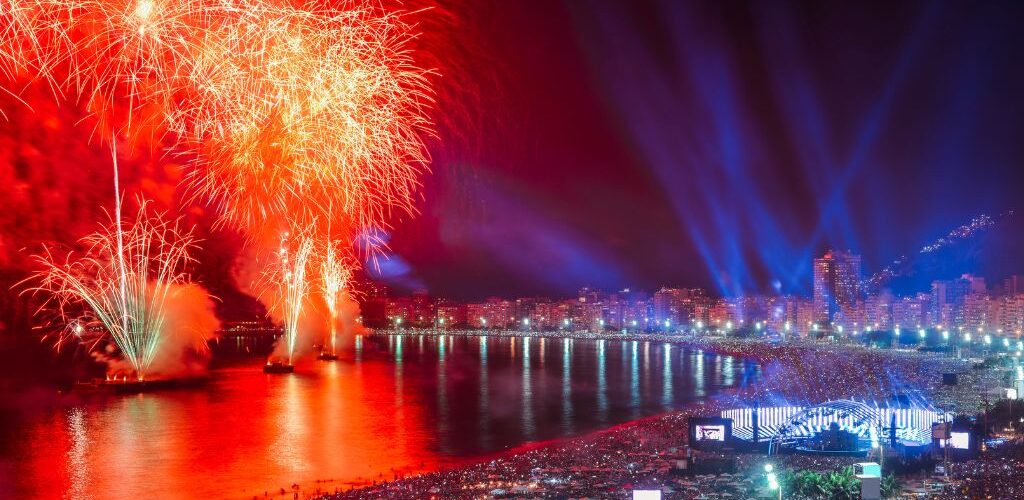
[[358, 224]]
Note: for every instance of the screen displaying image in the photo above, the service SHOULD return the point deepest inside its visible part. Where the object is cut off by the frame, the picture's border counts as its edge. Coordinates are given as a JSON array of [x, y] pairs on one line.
[[710, 433], [959, 440]]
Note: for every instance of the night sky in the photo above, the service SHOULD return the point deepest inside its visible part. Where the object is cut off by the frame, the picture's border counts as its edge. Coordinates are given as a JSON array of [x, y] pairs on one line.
[[718, 144]]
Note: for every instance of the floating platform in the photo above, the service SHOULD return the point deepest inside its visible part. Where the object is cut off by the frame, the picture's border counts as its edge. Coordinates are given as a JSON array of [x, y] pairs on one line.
[[278, 367], [137, 386], [326, 356]]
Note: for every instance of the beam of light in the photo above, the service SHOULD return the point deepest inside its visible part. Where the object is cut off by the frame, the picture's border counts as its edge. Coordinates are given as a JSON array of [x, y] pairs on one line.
[[125, 277]]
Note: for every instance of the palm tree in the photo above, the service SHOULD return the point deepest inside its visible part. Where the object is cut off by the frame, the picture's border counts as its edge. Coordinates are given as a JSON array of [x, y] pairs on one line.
[[890, 486]]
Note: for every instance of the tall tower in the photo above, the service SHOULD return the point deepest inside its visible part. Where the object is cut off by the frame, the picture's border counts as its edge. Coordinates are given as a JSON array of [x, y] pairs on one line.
[[836, 284]]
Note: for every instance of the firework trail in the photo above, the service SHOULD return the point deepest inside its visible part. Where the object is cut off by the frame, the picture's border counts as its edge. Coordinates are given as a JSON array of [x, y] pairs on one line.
[[281, 108], [285, 277], [335, 272], [126, 277], [288, 114]]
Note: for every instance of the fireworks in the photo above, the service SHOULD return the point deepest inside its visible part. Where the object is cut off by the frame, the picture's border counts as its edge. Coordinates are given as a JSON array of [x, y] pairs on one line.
[[334, 273], [125, 279], [286, 279], [282, 108], [289, 114]]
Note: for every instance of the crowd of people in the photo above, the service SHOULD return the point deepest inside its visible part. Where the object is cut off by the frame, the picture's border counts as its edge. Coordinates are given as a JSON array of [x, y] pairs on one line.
[[650, 453]]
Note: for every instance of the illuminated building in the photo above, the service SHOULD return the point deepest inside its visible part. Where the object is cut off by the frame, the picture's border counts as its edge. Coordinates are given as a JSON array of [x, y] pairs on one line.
[[495, 312], [947, 299], [452, 313], [878, 311], [975, 312], [911, 312], [836, 284], [666, 305], [398, 309], [1008, 313], [1014, 285], [805, 314], [422, 309]]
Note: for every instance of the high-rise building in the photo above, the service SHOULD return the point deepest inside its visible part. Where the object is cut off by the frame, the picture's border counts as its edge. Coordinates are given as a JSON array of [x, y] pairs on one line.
[[947, 299], [911, 312], [1014, 285], [450, 314], [976, 311], [422, 309], [836, 284]]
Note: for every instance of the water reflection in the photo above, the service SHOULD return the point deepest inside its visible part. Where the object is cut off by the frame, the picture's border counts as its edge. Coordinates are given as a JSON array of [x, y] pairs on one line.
[[405, 403], [78, 465], [634, 380], [485, 395], [567, 386], [602, 384], [528, 424], [666, 378]]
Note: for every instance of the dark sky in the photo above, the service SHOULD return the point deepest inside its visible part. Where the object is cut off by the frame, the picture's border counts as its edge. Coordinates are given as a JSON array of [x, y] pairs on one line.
[[718, 144]]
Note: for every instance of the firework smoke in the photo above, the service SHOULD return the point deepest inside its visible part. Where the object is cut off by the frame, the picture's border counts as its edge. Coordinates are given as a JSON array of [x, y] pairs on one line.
[[286, 107], [287, 114], [125, 280], [285, 278]]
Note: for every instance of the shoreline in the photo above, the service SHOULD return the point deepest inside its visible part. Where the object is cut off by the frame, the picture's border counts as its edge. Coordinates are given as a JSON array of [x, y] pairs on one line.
[[920, 371], [807, 371]]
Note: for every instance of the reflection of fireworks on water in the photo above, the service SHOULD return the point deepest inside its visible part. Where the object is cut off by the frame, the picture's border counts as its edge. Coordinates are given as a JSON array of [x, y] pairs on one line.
[[284, 105], [334, 274], [125, 277], [286, 279]]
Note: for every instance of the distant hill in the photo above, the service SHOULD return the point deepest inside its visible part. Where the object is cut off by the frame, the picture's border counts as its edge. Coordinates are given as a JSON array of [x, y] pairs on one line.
[[992, 247]]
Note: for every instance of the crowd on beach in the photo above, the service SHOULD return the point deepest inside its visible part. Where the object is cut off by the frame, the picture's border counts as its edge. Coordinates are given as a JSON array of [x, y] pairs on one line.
[[650, 453]]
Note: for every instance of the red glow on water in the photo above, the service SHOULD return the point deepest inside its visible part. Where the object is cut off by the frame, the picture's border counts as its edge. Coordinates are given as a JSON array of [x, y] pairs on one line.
[[339, 423]]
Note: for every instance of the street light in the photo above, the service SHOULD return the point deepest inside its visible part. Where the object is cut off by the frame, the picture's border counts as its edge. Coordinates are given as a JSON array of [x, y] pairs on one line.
[[773, 480]]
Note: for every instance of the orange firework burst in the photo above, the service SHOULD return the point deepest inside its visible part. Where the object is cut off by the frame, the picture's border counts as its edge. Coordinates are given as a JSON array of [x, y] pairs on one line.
[[293, 112]]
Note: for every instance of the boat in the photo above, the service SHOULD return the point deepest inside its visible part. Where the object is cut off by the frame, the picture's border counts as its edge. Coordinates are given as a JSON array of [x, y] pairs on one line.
[[278, 367]]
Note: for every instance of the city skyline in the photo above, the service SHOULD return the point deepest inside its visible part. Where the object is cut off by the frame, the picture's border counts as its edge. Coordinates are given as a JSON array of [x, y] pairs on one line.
[[840, 304]]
